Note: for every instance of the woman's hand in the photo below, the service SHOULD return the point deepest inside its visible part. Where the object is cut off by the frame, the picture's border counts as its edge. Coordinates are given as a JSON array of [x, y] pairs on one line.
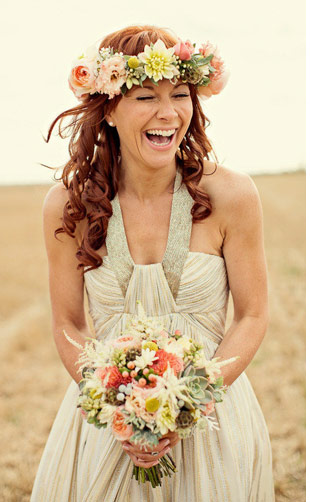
[[144, 458], [173, 437]]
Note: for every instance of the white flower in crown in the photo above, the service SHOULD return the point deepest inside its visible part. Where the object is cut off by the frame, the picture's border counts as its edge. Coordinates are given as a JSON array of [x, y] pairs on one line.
[[159, 61]]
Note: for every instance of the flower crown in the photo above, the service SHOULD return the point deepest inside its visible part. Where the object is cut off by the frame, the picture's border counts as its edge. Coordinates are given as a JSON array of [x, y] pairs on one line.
[[113, 73]]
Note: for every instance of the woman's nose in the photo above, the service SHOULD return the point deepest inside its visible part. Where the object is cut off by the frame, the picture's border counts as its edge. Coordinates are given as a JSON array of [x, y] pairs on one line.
[[166, 110]]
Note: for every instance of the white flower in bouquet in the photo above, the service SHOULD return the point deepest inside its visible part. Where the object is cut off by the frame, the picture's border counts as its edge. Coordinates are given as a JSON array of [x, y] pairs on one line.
[[146, 359], [106, 413], [140, 323], [172, 388], [166, 417], [213, 367], [94, 385], [176, 347]]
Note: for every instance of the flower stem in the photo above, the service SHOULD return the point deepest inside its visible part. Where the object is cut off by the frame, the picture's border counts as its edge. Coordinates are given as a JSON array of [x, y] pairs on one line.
[[154, 474]]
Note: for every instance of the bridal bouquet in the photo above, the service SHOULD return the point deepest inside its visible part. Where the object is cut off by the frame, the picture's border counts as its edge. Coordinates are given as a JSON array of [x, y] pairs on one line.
[[146, 383]]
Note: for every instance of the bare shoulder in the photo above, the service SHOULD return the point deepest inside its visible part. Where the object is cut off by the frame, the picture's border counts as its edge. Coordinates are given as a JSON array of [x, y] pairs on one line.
[[228, 189], [55, 200], [53, 206]]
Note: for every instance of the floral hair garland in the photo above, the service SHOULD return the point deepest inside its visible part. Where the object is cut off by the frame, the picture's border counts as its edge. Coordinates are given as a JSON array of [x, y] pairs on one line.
[[113, 73]]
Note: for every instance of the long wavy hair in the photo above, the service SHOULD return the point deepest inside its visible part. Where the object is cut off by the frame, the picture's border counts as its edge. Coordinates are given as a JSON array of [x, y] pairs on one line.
[[91, 175]]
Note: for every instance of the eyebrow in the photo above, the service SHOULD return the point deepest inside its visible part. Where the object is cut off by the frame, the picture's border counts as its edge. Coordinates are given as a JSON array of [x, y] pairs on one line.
[[154, 88]]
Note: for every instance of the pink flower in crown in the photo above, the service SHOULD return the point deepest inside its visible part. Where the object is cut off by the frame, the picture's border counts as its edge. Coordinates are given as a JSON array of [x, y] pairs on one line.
[[219, 78], [82, 79], [184, 50], [217, 84], [111, 76], [207, 49]]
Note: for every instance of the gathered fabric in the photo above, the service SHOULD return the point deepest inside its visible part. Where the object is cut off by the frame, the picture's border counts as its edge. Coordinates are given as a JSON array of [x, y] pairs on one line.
[[189, 291]]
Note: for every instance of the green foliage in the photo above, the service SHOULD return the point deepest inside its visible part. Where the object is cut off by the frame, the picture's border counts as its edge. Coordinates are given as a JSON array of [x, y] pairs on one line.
[[119, 358], [218, 397], [144, 437]]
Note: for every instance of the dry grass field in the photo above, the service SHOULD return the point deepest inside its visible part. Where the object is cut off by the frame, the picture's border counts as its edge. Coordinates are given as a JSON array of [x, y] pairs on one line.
[[33, 380]]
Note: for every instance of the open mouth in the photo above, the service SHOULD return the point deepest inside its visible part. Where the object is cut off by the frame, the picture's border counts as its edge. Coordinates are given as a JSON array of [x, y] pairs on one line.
[[160, 140]]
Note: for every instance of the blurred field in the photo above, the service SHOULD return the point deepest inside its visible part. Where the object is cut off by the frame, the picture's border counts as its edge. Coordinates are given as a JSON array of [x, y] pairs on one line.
[[33, 380]]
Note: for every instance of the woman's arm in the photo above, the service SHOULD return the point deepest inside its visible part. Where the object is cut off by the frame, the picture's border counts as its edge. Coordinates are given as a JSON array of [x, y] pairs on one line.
[[244, 254], [66, 283]]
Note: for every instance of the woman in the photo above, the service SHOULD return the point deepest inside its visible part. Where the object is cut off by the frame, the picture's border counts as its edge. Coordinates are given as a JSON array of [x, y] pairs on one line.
[[148, 216]]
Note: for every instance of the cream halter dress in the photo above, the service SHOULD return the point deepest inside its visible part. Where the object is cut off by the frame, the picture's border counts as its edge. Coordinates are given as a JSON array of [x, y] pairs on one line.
[[189, 291]]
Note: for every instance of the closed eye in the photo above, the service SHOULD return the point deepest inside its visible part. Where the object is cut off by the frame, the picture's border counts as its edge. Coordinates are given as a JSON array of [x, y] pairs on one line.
[[143, 98]]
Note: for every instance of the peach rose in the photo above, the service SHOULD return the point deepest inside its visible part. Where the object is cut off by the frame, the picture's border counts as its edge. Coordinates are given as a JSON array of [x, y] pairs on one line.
[[82, 79], [121, 431], [126, 342], [184, 50], [111, 76], [136, 403]]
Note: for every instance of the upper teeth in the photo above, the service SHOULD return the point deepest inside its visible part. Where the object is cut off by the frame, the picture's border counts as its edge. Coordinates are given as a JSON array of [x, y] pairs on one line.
[[158, 132]]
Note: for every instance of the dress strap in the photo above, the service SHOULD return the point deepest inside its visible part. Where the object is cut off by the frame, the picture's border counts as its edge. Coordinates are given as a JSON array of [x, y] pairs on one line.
[[177, 245], [117, 247], [179, 235]]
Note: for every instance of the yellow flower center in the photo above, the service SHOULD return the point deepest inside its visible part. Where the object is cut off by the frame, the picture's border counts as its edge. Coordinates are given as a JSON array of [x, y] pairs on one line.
[[133, 62], [151, 404], [150, 345]]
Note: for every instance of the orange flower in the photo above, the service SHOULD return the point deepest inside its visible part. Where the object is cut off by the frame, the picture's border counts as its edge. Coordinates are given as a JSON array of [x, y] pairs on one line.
[[114, 376], [82, 79], [121, 431], [161, 365]]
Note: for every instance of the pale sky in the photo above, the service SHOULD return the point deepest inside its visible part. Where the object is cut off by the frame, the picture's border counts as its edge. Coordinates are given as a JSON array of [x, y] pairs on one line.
[[257, 122]]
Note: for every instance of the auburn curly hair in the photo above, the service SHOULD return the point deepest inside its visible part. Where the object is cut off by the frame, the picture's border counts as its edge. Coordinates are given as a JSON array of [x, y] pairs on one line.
[[91, 175]]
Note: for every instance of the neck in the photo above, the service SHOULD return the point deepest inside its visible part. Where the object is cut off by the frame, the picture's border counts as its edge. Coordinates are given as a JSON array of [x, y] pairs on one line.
[[146, 183]]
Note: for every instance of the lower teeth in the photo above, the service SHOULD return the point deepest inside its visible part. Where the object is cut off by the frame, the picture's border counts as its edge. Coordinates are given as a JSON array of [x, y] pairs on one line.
[[154, 143]]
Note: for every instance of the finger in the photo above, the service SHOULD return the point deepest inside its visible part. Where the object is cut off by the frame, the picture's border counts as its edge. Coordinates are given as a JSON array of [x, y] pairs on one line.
[[142, 463], [149, 457], [162, 444], [139, 450]]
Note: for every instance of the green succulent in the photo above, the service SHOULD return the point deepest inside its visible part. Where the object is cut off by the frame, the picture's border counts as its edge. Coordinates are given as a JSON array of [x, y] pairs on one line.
[[144, 437], [197, 389]]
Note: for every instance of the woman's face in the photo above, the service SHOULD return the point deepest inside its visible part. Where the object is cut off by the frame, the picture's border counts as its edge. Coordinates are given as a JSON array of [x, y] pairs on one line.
[[151, 122]]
